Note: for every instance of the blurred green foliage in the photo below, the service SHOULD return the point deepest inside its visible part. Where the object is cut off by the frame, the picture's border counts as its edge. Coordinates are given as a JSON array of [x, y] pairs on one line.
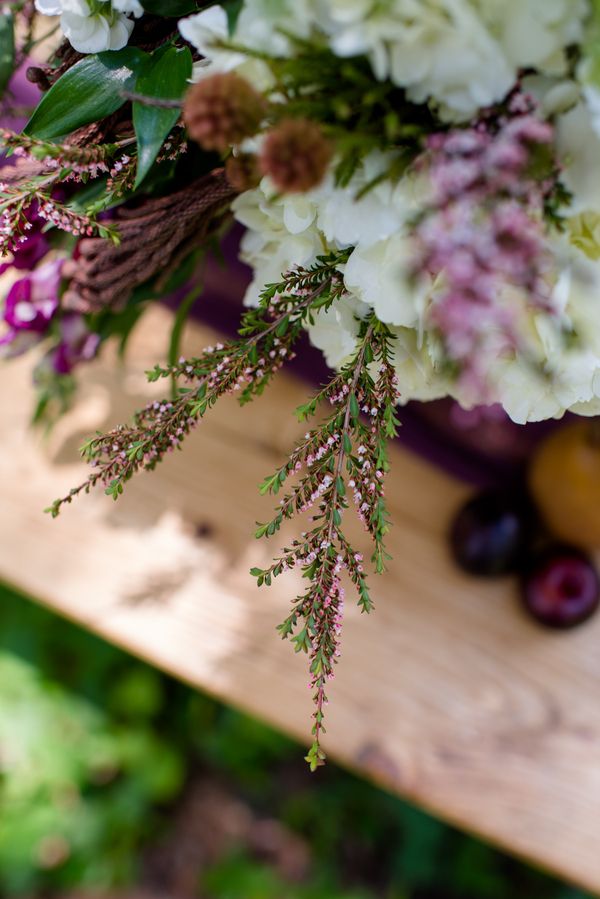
[[96, 751]]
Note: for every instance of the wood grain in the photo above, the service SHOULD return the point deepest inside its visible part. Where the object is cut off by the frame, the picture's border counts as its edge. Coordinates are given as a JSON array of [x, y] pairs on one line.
[[446, 695]]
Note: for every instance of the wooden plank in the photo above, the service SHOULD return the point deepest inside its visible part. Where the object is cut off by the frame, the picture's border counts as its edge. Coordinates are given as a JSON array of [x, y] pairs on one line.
[[447, 694]]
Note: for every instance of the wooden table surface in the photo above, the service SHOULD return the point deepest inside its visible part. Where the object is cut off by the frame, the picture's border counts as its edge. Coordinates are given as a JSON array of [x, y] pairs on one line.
[[446, 694]]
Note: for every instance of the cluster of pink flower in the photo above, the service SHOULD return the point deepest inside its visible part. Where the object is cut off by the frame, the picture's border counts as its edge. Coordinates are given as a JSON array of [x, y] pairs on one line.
[[226, 372], [31, 306], [484, 232], [69, 169], [62, 217]]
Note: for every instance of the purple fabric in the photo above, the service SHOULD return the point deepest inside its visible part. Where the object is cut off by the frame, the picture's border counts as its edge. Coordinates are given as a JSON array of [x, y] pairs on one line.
[[23, 93]]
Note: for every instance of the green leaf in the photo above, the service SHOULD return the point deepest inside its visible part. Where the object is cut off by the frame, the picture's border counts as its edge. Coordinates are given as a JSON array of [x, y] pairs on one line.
[[179, 321], [88, 92], [233, 9], [590, 68], [7, 49], [165, 77], [170, 8]]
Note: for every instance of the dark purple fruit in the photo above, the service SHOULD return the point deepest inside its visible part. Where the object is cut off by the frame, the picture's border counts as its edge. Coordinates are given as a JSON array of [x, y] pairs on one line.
[[491, 533], [561, 588]]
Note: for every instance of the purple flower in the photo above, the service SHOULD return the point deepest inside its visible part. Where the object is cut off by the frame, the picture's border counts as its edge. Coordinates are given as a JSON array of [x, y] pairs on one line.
[[77, 344], [32, 247], [30, 307]]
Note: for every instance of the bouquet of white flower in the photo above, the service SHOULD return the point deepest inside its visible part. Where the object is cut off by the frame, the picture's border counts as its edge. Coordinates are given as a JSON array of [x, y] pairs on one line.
[[418, 183]]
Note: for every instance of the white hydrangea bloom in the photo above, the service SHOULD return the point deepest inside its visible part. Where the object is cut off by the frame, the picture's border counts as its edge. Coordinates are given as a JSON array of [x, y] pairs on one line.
[[534, 33], [262, 24], [281, 233], [573, 367], [591, 94], [463, 54], [460, 55], [285, 231], [335, 330], [377, 275], [130, 7], [578, 146], [347, 221], [205, 31], [92, 26]]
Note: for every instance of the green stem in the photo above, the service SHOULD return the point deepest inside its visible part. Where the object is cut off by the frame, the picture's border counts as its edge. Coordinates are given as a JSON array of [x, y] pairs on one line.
[[181, 316]]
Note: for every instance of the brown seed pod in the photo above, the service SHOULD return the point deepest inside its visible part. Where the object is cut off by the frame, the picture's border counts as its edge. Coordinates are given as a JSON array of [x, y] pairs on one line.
[[296, 155], [221, 110]]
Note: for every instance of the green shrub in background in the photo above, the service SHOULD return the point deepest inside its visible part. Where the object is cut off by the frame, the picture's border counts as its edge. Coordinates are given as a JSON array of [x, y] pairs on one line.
[[77, 790], [98, 752]]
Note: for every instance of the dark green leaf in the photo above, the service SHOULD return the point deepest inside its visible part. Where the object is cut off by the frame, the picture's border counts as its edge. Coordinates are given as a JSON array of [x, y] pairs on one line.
[[170, 7], [88, 92], [233, 9], [165, 77], [7, 49], [179, 321]]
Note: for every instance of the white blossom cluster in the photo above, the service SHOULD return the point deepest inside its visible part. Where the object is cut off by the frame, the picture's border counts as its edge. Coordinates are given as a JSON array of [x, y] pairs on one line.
[[460, 56], [290, 230], [92, 26]]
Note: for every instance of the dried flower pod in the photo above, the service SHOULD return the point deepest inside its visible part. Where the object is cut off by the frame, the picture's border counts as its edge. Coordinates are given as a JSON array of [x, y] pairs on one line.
[[243, 171], [221, 110], [295, 155]]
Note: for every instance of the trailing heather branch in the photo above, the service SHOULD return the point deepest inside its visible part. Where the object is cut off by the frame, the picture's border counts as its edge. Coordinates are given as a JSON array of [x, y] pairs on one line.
[[35, 191], [91, 159], [19, 200], [247, 365], [345, 454]]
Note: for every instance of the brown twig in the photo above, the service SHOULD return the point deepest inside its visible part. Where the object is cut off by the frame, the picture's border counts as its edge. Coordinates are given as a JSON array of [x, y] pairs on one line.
[[153, 235]]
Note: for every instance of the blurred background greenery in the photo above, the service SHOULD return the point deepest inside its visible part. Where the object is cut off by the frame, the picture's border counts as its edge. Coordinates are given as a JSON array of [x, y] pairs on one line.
[[117, 780]]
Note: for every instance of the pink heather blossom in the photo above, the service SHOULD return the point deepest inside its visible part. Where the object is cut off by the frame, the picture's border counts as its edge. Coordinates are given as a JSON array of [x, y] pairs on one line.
[[482, 234]]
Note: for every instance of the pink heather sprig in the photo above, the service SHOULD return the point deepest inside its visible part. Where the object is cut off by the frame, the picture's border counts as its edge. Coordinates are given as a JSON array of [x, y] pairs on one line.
[[484, 233], [174, 146], [16, 202], [345, 455], [121, 177], [245, 367], [92, 160], [60, 164], [340, 462]]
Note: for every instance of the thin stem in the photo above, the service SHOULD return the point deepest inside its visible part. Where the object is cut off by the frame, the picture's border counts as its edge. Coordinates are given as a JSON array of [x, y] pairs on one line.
[[160, 102]]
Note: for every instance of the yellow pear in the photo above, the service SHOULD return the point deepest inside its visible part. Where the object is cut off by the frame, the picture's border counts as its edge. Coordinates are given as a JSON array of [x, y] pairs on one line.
[[564, 479]]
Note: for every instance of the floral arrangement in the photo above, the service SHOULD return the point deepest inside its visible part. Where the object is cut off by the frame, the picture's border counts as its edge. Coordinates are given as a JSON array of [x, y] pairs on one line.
[[418, 182]]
